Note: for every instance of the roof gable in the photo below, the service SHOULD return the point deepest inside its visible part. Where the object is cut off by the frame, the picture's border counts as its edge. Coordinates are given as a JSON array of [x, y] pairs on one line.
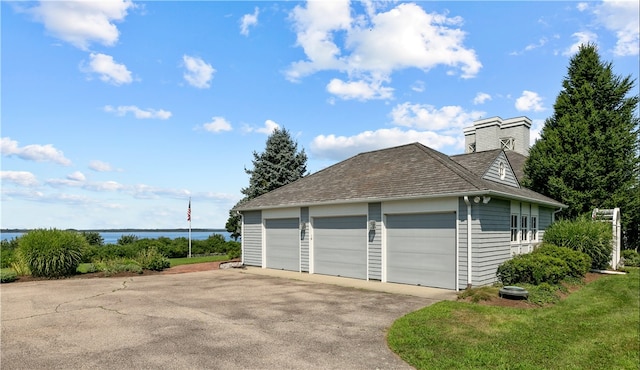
[[487, 165]]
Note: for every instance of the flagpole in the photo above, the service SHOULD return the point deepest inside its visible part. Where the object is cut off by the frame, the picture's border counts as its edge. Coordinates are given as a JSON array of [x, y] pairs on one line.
[[189, 218]]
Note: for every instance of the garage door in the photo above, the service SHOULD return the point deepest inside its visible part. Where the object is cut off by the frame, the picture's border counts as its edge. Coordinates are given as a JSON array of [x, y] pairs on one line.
[[421, 249], [340, 246], [282, 244]]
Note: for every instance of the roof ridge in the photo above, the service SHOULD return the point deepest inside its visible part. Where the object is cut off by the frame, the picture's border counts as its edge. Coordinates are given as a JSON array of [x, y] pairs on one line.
[[457, 168]]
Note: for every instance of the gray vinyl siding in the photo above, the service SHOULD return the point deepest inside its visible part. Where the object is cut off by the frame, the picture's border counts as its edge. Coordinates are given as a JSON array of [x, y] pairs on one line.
[[545, 219], [375, 242], [462, 244], [493, 173], [304, 240], [490, 240], [252, 238]]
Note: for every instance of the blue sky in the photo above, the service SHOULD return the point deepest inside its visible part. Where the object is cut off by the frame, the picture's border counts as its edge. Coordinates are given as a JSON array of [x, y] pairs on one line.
[[115, 113]]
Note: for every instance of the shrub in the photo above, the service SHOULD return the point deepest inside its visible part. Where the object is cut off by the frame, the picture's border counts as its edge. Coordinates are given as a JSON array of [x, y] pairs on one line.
[[578, 263], [93, 238], [234, 249], [8, 249], [584, 235], [532, 269], [151, 259], [7, 275], [52, 253], [127, 239], [631, 258]]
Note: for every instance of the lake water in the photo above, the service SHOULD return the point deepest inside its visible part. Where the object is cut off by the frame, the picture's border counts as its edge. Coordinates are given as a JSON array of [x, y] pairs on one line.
[[111, 237]]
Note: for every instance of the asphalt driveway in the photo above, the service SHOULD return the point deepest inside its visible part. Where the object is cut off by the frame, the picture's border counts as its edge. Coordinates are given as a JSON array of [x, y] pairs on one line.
[[215, 319]]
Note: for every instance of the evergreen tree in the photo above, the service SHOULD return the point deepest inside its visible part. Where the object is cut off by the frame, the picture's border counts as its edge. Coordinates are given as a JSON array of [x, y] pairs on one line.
[[279, 165], [587, 156]]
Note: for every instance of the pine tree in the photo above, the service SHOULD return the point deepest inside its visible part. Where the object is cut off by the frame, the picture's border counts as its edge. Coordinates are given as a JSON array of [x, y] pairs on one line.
[[279, 165], [587, 156]]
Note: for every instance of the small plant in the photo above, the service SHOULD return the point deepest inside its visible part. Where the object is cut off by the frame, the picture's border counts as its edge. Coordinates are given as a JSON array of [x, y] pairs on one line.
[[485, 293], [631, 258], [543, 293], [7, 275], [151, 259], [234, 250], [52, 253]]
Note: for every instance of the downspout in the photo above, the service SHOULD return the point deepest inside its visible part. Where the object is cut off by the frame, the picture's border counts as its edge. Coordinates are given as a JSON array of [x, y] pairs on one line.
[[466, 200], [554, 214]]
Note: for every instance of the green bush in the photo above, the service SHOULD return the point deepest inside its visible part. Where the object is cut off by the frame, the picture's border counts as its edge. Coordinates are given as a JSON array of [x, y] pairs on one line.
[[234, 249], [7, 275], [93, 238], [127, 239], [151, 259], [584, 235], [631, 258], [534, 268], [578, 263], [52, 253], [8, 252]]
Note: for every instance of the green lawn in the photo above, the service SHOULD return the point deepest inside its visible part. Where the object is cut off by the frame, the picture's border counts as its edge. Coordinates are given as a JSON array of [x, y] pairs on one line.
[[594, 328], [188, 261]]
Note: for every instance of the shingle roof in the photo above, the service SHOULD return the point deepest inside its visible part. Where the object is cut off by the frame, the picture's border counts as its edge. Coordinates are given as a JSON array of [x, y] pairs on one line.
[[479, 162], [403, 172]]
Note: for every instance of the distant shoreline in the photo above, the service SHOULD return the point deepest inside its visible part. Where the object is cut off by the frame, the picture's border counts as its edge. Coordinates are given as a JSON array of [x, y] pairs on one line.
[[119, 230]]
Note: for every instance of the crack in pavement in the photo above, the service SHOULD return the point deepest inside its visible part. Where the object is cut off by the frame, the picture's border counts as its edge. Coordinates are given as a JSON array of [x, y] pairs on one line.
[[57, 308]]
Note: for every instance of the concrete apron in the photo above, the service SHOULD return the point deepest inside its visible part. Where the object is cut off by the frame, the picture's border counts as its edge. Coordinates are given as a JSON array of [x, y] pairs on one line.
[[377, 286]]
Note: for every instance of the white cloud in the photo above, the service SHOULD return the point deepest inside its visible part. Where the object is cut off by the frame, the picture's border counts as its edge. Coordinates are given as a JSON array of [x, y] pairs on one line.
[[22, 178], [100, 166], [217, 124], [427, 117], [33, 152], [529, 101], [138, 113], [582, 6], [76, 176], [481, 98], [536, 129], [198, 73], [247, 21], [623, 18], [108, 70], [372, 48], [340, 147], [268, 128], [583, 37], [360, 90], [82, 22], [418, 86]]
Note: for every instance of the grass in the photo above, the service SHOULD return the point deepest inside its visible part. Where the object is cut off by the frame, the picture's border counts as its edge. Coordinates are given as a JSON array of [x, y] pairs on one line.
[[594, 328], [188, 261]]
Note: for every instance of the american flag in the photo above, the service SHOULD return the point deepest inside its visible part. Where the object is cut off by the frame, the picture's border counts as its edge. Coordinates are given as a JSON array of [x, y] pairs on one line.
[[189, 211]]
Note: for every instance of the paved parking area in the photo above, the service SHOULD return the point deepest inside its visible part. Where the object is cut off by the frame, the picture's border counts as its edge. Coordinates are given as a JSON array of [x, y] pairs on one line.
[[222, 319]]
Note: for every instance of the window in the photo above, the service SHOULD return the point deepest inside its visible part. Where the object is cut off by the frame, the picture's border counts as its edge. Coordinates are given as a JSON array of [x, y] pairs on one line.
[[507, 143], [502, 171], [514, 228], [524, 235], [534, 228]]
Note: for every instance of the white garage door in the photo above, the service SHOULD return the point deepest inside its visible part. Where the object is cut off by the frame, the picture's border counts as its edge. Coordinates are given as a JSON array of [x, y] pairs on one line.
[[340, 246], [282, 244], [421, 249]]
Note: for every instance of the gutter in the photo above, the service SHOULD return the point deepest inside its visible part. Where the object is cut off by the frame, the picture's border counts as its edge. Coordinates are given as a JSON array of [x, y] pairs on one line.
[[466, 200]]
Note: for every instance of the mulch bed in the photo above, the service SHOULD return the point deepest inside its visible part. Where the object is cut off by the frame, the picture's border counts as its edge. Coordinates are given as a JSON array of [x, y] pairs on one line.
[[520, 303]]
